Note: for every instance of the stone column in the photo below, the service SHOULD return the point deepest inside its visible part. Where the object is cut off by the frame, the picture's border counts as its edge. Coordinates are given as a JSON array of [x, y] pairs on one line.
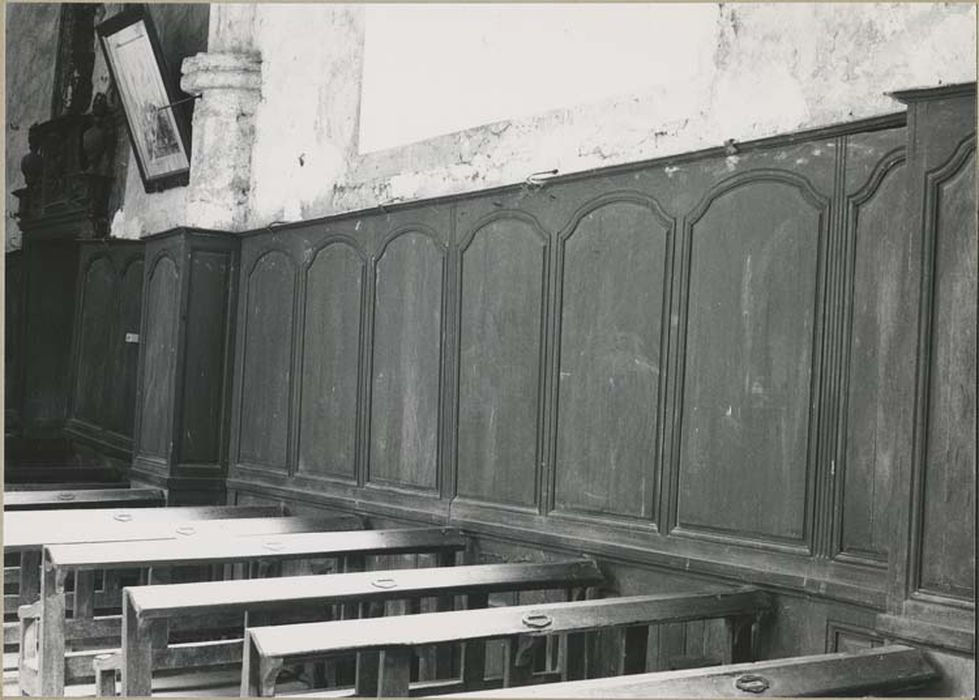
[[229, 79]]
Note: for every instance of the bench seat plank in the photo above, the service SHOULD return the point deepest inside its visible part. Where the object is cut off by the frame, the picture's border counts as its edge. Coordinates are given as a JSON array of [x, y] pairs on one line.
[[218, 550], [175, 599], [871, 671], [33, 529], [84, 498]]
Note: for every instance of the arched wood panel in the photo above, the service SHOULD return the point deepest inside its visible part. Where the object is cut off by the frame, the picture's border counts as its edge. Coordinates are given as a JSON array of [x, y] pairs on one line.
[[504, 271], [266, 378], [744, 447], [870, 427], [120, 397], [405, 381], [946, 564], [331, 361], [98, 302], [159, 365], [610, 360]]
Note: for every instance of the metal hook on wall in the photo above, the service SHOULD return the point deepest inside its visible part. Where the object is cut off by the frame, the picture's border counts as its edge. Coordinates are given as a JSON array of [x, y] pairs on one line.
[[538, 179]]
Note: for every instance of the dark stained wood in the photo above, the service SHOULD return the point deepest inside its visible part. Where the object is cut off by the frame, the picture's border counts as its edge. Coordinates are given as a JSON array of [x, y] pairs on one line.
[[97, 302], [947, 564], [195, 410], [51, 270], [267, 366], [119, 400], [104, 361], [748, 365], [885, 671], [407, 354], [610, 359], [503, 283], [160, 351], [878, 333], [13, 349], [204, 368], [331, 359], [933, 572]]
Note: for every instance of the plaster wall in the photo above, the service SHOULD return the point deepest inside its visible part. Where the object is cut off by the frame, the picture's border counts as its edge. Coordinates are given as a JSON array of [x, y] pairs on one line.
[[761, 70], [31, 39]]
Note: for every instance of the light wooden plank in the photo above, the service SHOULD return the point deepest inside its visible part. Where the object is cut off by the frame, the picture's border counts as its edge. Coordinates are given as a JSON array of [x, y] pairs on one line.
[[879, 670], [321, 638]]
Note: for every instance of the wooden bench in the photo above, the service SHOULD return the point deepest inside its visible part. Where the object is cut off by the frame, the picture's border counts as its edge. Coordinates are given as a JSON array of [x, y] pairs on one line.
[[878, 671], [83, 498], [25, 532], [230, 527], [83, 560], [148, 610], [268, 648]]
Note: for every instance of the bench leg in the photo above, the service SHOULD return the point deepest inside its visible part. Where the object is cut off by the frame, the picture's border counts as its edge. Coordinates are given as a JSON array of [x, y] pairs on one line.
[[27, 649], [518, 659], [447, 656], [105, 678], [51, 663], [474, 650], [258, 673], [394, 677], [137, 651], [29, 588]]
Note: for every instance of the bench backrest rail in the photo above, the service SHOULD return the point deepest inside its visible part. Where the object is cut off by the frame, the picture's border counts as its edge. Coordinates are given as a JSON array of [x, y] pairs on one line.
[[881, 670], [266, 648], [145, 607]]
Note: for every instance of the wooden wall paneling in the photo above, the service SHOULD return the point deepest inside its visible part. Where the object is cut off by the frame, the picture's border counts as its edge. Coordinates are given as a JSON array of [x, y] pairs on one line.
[[267, 352], [51, 275], [946, 558], [331, 363], [406, 403], [949, 484], [211, 278], [755, 267], [613, 262], [102, 401], [934, 573], [120, 399], [13, 349], [195, 317], [96, 306], [878, 347], [503, 285], [158, 361], [844, 637]]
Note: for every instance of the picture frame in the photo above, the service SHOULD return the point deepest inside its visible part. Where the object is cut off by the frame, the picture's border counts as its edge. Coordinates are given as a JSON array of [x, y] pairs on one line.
[[158, 129]]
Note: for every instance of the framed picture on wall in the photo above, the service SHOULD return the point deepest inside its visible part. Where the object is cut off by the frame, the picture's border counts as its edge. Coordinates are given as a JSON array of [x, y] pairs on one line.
[[157, 132]]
